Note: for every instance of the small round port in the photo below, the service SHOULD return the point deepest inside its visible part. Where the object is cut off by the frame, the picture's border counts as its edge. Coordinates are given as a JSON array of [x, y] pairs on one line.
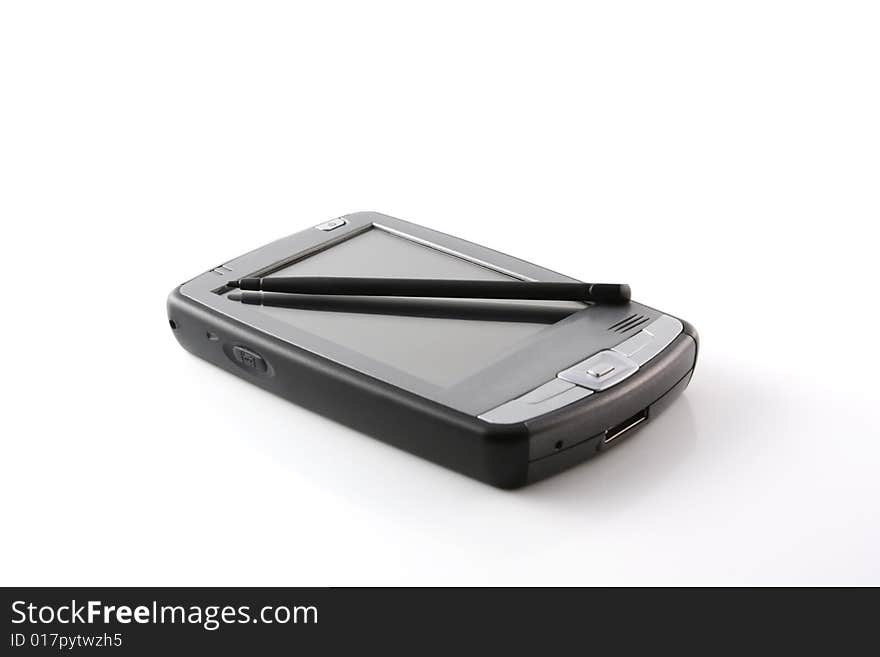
[[172, 324], [558, 444]]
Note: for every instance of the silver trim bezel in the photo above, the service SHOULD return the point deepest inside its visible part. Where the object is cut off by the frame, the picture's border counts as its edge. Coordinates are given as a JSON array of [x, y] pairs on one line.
[[520, 369]]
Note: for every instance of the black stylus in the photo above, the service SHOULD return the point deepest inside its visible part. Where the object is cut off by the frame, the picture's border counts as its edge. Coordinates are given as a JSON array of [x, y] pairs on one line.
[[498, 311], [429, 287]]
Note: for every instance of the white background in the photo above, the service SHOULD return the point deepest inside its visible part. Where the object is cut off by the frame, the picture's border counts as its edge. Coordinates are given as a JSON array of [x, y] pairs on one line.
[[724, 159]]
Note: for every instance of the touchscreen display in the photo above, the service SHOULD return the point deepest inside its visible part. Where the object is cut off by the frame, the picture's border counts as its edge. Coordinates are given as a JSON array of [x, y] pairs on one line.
[[442, 351]]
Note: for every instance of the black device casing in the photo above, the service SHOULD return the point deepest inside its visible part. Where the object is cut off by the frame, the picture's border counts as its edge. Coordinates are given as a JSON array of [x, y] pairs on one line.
[[498, 454]]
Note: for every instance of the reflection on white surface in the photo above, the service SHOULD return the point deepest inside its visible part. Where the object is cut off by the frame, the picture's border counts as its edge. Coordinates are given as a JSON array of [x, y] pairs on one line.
[[669, 504]]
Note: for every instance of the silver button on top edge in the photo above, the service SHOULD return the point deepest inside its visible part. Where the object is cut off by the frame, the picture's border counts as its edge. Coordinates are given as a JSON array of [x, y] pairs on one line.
[[332, 224]]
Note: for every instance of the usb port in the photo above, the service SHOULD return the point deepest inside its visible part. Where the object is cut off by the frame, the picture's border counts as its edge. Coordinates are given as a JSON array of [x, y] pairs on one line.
[[629, 424]]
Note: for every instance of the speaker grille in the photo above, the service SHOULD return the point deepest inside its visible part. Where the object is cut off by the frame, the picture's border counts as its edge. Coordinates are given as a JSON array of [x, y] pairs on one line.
[[628, 323]]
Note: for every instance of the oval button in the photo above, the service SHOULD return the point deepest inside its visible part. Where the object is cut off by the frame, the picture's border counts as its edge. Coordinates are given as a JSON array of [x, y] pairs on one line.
[[247, 359]]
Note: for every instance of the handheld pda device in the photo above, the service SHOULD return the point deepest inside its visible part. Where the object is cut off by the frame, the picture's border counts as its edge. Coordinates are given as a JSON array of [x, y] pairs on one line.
[[507, 391]]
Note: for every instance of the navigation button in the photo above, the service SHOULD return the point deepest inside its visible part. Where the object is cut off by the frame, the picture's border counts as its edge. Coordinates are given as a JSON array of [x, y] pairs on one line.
[[601, 371]]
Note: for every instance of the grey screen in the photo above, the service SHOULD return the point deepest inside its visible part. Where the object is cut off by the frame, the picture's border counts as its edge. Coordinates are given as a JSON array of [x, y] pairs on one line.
[[441, 351]]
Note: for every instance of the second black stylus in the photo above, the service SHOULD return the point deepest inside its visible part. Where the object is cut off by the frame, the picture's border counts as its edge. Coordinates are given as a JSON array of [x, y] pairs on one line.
[[431, 287]]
